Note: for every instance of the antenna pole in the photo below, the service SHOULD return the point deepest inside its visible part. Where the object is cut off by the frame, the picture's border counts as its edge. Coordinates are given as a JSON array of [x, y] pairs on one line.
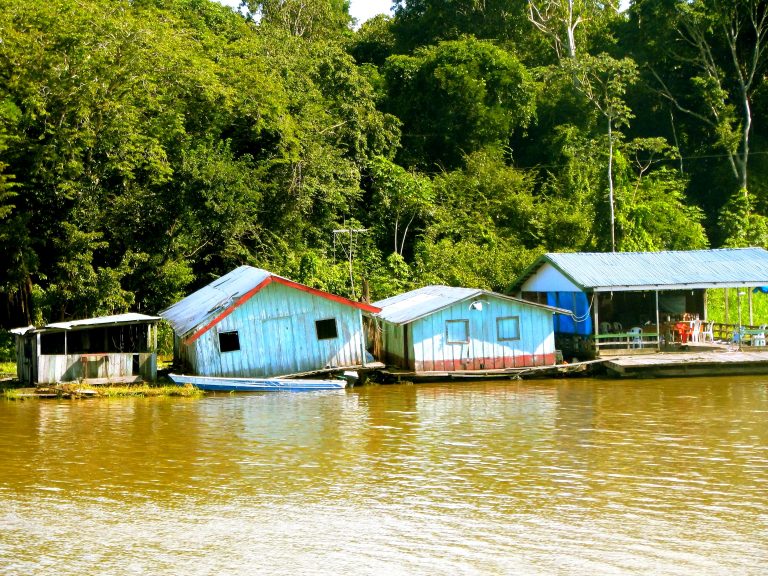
[[351, 251]]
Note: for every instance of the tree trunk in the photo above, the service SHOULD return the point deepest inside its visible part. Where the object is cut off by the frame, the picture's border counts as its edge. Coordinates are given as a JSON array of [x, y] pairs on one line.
[[610, 184]]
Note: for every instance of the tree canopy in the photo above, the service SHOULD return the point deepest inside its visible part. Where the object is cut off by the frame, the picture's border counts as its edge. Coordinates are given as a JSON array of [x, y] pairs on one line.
[[148, 146]]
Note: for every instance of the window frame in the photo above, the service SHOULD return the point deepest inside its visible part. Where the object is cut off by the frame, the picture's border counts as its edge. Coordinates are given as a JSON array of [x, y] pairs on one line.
[[499, 321], [448, 331], [320, 328], [228, 334]]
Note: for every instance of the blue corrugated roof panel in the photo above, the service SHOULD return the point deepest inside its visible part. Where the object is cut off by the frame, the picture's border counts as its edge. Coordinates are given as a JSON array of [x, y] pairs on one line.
[[648, 269], [205, 303]]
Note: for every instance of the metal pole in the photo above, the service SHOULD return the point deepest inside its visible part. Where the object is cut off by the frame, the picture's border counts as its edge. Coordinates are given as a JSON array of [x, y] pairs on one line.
[[596, 328]]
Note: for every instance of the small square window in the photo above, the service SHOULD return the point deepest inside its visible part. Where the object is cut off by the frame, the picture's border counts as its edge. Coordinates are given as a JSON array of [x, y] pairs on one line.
[[508, 328], [52, 343], [326, 329], [457, 331], [229, 341]]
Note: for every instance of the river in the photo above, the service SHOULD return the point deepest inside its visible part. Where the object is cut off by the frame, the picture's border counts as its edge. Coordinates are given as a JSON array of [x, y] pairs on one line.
[[524, 477]]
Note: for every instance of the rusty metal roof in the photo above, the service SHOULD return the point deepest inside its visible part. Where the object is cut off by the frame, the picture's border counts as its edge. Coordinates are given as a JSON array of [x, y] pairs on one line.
[[410, 306], [725, 267]]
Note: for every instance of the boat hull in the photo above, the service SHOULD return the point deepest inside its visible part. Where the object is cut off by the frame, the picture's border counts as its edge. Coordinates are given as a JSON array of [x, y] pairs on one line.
[[224, 384]]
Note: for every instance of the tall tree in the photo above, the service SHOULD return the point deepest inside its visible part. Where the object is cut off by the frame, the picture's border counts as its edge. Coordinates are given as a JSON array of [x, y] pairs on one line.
[[571, 25], [722, 45], [456, 98], [310, 19], [424, 22], [604, 82]]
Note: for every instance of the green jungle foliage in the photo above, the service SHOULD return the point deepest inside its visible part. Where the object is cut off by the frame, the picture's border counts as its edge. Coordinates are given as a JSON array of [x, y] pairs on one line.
[[149, 146], [716, 309]]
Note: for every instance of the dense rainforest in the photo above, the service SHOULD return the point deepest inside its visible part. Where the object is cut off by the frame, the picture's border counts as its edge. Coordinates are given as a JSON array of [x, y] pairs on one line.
[[149, 146]]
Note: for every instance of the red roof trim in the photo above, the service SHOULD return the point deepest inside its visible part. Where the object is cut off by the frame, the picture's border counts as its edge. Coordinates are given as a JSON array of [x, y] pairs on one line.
[[268, 280], [235, 305], [340, 299]]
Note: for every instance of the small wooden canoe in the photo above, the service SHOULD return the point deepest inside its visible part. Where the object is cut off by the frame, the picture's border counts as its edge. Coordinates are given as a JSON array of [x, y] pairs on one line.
[[226, 384]]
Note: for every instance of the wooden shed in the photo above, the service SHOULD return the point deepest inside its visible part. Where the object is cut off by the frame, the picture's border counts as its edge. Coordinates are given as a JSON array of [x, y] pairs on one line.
[[252, 323], [445, 329], [119, 349]]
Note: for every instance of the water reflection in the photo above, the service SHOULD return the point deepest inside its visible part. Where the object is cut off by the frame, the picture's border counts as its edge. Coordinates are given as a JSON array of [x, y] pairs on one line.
[[532, 477]]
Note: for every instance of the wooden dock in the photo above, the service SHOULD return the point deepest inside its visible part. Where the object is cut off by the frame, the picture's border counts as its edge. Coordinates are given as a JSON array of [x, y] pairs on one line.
[[553, 371], [692, 363]]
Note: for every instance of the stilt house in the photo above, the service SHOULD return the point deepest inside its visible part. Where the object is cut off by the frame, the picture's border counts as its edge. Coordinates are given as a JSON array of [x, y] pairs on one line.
[[445, 329], [252, 323], [107, 349]]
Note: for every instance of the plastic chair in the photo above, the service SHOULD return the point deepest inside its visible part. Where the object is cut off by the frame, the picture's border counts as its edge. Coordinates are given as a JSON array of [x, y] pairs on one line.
[[605, 327], [707, 334], [759, 339], [617, 327], [636, 337], [696, 331]]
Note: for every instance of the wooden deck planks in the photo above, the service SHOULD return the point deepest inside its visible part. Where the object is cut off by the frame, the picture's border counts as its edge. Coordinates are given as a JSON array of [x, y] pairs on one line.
[[712, 363]]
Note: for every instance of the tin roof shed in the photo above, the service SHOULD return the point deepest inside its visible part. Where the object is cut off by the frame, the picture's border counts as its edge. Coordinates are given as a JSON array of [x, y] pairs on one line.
[[669, 270]]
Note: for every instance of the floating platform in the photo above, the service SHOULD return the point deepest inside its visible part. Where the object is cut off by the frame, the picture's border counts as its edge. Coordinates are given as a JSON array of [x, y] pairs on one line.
[[557, 370], [677, 364]]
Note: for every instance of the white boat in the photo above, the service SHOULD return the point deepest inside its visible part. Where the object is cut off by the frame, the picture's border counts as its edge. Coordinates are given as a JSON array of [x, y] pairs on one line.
[[227, 384]]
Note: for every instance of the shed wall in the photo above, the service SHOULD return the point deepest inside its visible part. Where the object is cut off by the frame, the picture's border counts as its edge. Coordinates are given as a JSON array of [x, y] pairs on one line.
[[277, 336], [549, 279], [394, 337], [96, 367]]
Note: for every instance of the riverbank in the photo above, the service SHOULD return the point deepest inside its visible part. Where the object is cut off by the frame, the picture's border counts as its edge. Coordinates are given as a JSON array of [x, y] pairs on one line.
[[11, 390]]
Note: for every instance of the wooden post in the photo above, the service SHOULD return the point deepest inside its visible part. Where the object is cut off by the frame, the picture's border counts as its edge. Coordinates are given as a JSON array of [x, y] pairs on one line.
[[704, 299], [658, 324], [597, 324], [749, 297], [727, 314]]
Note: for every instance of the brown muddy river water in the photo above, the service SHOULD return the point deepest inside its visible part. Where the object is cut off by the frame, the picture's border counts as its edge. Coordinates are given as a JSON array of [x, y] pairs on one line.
[[535, 477]]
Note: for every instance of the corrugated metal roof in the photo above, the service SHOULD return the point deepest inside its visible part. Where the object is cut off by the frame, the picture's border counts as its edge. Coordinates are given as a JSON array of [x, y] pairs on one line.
[[193, 310], [231, 290], [128, 318], [648, 270], [410, 306]]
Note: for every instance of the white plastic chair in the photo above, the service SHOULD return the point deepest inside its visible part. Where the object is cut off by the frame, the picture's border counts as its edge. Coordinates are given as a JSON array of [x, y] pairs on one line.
[[759, 339], [696, 331], [707, 334]]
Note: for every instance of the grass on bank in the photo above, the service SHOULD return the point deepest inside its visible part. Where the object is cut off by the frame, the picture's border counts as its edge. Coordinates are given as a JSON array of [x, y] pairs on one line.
[[7, 369], [13, 391]]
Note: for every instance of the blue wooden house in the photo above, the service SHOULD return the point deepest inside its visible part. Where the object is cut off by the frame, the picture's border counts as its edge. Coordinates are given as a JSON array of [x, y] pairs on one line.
[[252, 323], [445, 329]]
